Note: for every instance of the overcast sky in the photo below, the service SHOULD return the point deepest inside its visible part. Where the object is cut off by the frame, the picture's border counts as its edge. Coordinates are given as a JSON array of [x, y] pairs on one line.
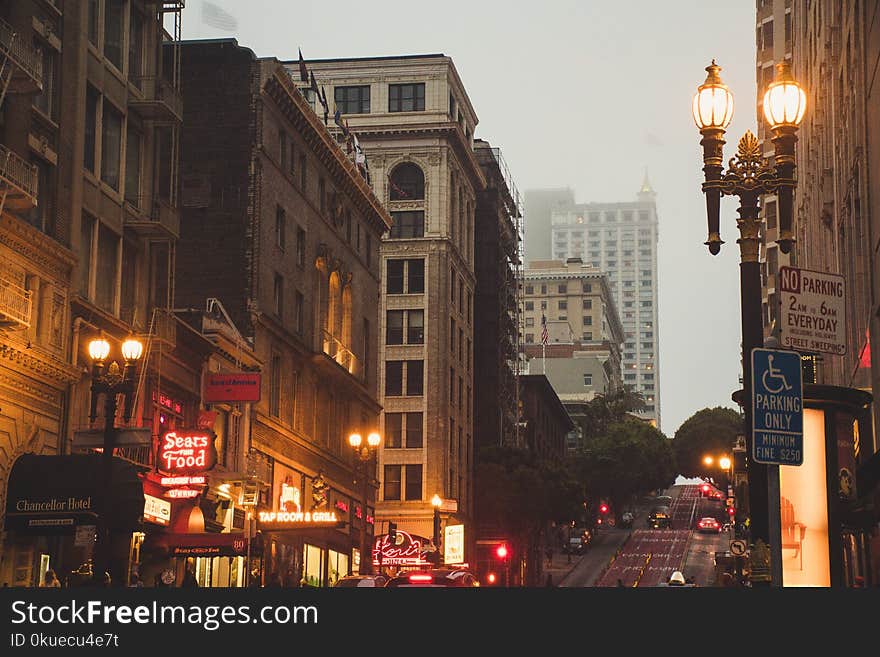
[[581, 94]]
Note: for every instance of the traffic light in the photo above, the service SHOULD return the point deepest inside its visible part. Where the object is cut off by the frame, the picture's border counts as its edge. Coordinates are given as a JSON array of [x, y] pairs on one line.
[[501, 551], [491, 578], [392, 532], [603, 508], [705, 489], [731, 511]]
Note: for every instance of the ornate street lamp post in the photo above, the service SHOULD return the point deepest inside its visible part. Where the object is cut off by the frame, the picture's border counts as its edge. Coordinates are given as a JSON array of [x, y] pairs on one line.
[[110, 383], [365, 453], [748, 176]]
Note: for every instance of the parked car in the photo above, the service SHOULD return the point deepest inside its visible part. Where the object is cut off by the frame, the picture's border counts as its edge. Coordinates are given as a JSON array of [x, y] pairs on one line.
[[435, 577], [359, 581]]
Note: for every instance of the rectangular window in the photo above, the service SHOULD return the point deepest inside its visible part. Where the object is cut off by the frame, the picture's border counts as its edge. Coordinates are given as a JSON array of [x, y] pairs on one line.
[[588, 304], [451, 335], [392, 483], [111, 145], [415, 327], [278, 295], [394, 327], [588, 320], [563, 305], [93, 21], [414, 423], [588, 379], [394, 276], [45, 101], [394, 378], [530, 322], [282, 149], [352, 100], [393, 430], [452, 106], [300, 248], [588, 287], [414, 482], [415, 377], [135, 46], [369, 250], [408, 224], [299, 312], [114, 13], [133, 167], [562, 288], [451, 387], [87, 226], [322, 196], [90, 129], [406, 97], [108, 263], [530, 305], [588, 336], [280, 221], [275, 387], [415, 276], [302, 172], [770, 214]]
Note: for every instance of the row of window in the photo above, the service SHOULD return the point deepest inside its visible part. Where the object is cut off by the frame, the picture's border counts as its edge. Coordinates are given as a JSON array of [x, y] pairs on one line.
[[561, 288], [587, 320], [409, 97]]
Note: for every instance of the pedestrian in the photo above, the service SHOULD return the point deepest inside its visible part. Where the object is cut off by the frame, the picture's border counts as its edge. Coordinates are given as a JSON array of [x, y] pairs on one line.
[[189, 578], [50, 580]]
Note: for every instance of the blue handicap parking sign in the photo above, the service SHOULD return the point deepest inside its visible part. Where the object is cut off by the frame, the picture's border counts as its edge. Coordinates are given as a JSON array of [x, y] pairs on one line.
[[777, 407]]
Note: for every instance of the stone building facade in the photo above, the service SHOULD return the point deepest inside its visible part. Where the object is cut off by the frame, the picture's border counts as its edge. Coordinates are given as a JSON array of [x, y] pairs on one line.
[[279, 225], [415, 123]]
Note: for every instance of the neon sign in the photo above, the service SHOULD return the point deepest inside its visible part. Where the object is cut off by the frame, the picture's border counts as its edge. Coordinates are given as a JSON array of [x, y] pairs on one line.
[[181, 493], [298, 516], [187, 451], [406, 550], [196, 480]]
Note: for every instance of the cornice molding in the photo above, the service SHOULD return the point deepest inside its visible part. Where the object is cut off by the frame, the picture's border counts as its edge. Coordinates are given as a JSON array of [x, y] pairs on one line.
[[49, 370], [37, 247]]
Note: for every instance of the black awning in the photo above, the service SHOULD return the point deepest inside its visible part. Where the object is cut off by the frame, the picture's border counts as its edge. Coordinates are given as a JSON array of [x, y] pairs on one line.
[[56, 494]]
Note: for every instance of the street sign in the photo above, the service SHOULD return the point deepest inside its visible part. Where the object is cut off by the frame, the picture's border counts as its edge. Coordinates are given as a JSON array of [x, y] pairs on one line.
[[777, 407], [812, 314], [738, 547]]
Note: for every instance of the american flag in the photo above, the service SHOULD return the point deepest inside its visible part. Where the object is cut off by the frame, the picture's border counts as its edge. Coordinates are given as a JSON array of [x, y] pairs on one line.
[[544, 337]]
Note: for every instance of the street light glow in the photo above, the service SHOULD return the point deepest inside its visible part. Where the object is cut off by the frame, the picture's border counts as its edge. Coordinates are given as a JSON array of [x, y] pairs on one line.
[[132, 350], [99, 349], [708, 460], [784, 101], [374, 439], [354, 440], [724, 462], [713, 102], [436, 501]]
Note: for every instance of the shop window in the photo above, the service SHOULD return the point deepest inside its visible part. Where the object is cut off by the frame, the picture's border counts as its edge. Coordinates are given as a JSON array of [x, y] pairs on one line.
[[313, 565]]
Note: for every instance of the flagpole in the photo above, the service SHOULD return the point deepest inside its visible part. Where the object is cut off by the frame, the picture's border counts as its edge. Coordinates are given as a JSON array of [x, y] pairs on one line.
[[543, 357]]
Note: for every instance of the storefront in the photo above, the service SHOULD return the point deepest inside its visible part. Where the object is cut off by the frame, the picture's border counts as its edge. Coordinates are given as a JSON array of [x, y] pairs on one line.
[[309, 538], [52, 507]]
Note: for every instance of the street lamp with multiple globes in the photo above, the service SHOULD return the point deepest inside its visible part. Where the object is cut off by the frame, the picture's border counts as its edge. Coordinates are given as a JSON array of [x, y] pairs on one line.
[[365, 453], [748, 176], [111, 383], [436, 502]]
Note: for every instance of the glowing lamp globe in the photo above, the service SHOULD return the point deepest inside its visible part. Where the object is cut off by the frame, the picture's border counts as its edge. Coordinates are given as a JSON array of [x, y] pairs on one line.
[[784, 101], [99, 349], [713, 102]]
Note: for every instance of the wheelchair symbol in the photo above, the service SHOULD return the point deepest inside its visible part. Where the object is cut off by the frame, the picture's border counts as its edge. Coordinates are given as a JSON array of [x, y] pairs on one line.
[[776, 375]]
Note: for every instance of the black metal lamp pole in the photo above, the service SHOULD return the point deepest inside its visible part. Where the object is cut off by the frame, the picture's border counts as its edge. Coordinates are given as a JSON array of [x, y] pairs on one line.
[[748, 176], [109, 383], [365, 454], [436, 502]]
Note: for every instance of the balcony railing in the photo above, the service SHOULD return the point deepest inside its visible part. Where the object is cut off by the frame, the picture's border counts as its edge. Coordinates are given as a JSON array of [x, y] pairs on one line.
[[19, 179], [334, 348], [153, 216], [27, 58], [15, 305], [161, 101]]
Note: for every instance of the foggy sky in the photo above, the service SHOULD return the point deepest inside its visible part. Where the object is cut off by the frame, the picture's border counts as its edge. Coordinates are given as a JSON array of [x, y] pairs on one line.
[[579, 94]]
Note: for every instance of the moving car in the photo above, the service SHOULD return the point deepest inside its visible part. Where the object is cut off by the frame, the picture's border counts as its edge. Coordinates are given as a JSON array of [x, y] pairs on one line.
[[433, 578], [359, 581], [659, 518], [709, 525]]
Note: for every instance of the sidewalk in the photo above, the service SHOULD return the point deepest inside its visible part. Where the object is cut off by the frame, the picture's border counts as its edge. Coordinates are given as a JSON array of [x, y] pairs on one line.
[[560, 566]]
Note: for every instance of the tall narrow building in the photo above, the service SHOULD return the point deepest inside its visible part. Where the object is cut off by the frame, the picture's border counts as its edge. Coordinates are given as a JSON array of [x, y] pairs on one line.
[[415, 124], [620, 239]]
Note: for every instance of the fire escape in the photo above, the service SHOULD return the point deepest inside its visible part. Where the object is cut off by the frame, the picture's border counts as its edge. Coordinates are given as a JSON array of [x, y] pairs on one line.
[[21, 72]]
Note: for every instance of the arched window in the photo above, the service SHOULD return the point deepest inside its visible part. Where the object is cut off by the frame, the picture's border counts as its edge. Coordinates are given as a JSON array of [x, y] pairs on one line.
[[407, 183], [334, 307]]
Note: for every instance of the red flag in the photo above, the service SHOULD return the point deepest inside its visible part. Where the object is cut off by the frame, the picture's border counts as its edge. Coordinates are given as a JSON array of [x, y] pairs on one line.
[[303, 73]]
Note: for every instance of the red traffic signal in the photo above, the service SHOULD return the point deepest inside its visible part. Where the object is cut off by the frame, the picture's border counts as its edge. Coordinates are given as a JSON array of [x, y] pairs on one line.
[[501, 551], [730, 510], [491, 578], [603, 508]]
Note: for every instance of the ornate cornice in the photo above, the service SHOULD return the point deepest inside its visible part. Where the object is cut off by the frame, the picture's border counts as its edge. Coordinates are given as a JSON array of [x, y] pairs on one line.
[[37, 247], [51, 370]]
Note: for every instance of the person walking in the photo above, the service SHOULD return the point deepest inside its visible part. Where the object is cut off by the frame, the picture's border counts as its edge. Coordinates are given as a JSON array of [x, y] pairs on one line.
[[50, 580]]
